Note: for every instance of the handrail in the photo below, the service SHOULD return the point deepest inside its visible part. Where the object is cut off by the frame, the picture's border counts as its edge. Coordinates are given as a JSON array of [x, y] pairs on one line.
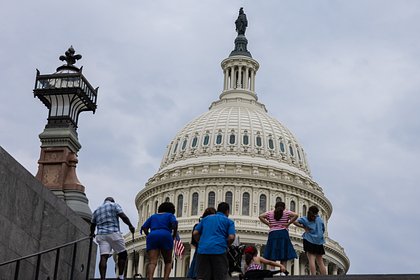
[[45, 251], [57, 256]]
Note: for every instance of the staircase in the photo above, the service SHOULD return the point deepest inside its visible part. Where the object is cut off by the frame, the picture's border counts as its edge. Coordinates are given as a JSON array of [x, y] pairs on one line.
[[327, 277]]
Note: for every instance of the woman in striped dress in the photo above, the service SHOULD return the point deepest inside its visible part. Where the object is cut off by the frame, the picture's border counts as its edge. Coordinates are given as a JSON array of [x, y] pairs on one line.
[[279, 247]]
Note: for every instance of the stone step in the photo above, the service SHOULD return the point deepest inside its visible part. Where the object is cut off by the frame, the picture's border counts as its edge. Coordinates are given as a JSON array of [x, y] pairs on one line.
[[328, 277]]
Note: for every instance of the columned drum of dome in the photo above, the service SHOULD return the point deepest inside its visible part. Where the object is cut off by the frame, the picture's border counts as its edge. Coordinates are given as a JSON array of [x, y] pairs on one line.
[[236, 152]]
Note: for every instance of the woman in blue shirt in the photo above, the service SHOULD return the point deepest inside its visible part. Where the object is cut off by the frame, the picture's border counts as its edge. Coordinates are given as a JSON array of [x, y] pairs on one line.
[[313, 239], [160, 240]]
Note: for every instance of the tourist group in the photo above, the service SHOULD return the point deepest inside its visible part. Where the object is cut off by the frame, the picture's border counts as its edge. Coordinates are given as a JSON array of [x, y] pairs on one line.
[[217, 252]]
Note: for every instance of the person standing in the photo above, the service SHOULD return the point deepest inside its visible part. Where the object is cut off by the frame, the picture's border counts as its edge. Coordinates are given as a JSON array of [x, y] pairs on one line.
[[108, 235], [313, 239], [192, 271], [163, 228], [214, 234], [279, 247]]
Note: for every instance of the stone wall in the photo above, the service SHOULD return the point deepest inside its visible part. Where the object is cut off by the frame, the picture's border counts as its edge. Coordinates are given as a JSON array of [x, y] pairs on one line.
[[33, 219]]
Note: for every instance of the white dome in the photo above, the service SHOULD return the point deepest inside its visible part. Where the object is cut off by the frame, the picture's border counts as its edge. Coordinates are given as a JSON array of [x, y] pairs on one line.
[[237, 130]]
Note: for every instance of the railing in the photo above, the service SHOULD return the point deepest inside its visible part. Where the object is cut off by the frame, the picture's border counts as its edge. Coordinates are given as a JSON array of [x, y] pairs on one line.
[[57, 259], [47, 82]]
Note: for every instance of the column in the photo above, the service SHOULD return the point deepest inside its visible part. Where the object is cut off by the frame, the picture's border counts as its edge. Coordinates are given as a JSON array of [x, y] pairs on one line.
[[246, 86], [179, 268], [232, 77], [335, 269], [192, 252], [252, 80], [258, 246], [326, 263], [240, 82], [130, 265], [226, 73], [296, 269], [140, 267]]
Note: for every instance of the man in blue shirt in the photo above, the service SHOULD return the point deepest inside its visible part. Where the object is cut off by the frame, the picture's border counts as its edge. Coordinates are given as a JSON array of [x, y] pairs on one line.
[[214, 234], [108, 236]]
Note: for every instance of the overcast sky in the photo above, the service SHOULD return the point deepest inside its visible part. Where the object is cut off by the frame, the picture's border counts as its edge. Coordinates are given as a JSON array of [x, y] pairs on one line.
[[343, 76]]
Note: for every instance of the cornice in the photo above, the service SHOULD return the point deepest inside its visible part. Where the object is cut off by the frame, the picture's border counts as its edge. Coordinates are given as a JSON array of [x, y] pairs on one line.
[[182, 178]]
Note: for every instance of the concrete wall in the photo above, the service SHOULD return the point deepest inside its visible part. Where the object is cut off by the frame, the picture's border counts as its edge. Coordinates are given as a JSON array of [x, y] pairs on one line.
[[33, 219]]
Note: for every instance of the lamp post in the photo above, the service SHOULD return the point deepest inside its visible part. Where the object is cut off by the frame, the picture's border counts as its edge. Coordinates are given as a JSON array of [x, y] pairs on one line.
[[66, 93]]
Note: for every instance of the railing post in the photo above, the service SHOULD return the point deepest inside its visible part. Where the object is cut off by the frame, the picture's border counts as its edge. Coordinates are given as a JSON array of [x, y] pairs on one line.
[[38, 264], [57, 258], [89, 257], [73, 262], [17, 270]]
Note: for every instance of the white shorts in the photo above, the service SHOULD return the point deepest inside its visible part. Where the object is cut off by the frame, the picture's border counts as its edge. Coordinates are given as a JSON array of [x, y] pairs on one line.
[[108, 242]]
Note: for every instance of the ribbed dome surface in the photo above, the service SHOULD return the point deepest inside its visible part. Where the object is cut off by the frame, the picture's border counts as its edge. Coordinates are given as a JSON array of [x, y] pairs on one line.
[[234, 130]]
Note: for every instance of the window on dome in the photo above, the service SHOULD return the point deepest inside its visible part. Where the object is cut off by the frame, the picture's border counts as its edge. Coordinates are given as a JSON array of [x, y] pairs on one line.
[[219, 139], [167, 199], [228, 200], [176, 147], [298, 153], [156, 206], [179, 205], [278, 199], [282, 149], [292, 153], [293, 206], [304, 210], [184, 144], [206, 140], [271, 144], [245, 139], [211, 200], [194, 204], [245, 204], [232, 139], [194, 142], [259, 142], [263, 203]]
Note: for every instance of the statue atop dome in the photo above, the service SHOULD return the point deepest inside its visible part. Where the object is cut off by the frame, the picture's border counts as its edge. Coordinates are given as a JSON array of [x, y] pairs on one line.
[[241, 23], [241, 42]]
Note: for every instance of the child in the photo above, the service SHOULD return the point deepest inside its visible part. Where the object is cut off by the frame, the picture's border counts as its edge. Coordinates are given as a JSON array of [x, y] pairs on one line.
[[254, 268], [313, 239]]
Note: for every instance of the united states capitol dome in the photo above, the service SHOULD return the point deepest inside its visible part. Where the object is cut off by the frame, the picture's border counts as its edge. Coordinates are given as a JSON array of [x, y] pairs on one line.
[[237, 153], [237, 129]]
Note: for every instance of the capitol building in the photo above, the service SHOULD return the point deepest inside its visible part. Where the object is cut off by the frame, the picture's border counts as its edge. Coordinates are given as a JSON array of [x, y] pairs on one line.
[[238, 153]]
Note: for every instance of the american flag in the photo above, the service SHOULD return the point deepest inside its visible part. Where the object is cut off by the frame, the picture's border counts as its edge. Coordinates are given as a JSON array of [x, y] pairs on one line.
[[178, 247]]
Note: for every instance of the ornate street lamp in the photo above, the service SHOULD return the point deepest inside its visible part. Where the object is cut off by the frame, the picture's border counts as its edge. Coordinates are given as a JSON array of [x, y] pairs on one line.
[[66, 93]]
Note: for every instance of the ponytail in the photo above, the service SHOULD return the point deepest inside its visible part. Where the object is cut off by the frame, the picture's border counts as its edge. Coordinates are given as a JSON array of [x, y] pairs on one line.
[[312, 213], [278, 210], [250, 253]]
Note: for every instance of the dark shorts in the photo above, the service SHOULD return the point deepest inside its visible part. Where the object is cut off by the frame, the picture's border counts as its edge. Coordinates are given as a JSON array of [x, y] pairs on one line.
[[313, 248], [212, 267], [160, 239]]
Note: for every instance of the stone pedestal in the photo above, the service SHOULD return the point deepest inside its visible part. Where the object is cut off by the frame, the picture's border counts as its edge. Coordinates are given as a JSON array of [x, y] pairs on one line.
[[57, 168]]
